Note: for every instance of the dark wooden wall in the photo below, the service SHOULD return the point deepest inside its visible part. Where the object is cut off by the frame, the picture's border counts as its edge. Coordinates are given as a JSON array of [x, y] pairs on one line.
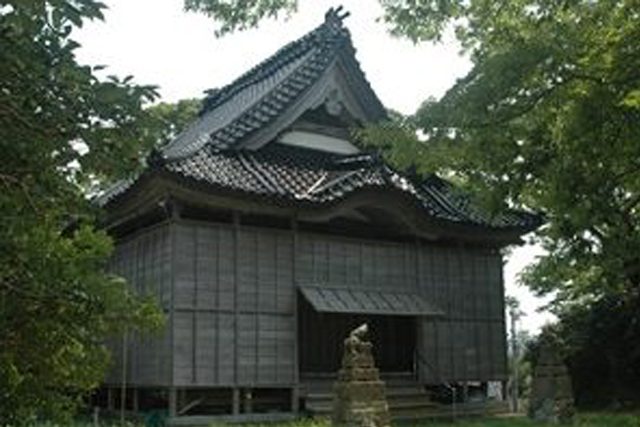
[[465, 282], [145, 260], [234, 306], [232, 313], [470, 342]]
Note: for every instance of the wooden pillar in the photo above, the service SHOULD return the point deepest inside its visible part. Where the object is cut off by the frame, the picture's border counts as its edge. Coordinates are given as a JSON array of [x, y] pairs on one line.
[[419, 320], [295, 399], [236, 293], [109, 398], [175, 220], [181, 399], [296, 363], [248, 401], [123, 385], [235, 401], [173, 402]]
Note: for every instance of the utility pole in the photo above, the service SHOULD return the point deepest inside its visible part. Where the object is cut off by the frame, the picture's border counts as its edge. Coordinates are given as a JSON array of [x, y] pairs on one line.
[[514, 314], [514, 354]]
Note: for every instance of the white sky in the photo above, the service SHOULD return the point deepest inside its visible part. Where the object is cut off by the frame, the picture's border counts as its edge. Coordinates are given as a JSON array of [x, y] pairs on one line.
[[160, 44]]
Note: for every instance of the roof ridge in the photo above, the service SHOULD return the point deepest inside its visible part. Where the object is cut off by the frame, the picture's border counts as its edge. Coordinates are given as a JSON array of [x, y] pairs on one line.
[[262, 70]]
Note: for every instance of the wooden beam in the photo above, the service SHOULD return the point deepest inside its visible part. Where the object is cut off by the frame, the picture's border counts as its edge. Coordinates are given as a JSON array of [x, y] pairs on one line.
[[235, 401], [294, 275], [135, 399], [173, 402], [109, 398], [295, 399], [248, 401], [236, 294]]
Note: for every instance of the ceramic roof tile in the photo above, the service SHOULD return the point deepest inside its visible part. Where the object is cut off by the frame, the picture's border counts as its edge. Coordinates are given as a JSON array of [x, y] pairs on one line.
[[303, 175], [208, 151]]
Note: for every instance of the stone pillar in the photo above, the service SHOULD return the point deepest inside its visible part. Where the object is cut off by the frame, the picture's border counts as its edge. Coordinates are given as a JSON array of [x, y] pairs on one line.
[[359, 394], [551, 398]]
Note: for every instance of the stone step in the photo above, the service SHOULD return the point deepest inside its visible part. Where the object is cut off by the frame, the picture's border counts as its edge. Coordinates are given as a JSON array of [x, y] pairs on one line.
[[405, 396], [390, 392], [434, 410], [326, 407]]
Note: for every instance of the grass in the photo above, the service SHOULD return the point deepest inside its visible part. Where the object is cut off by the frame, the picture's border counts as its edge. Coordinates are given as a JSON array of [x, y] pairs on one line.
[[582, 420]]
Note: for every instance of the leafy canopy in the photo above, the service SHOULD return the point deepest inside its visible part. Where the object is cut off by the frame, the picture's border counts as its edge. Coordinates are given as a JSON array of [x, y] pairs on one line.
[[61, 131]]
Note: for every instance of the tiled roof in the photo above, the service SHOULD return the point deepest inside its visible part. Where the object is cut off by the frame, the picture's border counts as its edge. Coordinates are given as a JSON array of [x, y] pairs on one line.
[[300, 175], [210, 152], [264, 93]]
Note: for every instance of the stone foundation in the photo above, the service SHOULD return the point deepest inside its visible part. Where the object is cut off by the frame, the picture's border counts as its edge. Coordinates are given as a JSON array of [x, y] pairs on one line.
[[359, 394], [551, 393]]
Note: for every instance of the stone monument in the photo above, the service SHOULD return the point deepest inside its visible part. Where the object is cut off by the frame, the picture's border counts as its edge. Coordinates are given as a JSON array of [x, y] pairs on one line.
[[551, 398], [359, 395]]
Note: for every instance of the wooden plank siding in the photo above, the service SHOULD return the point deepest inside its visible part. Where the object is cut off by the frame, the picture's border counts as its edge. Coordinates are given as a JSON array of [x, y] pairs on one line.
[[144, 259], [233, 318], [220, 341], [469, 343]]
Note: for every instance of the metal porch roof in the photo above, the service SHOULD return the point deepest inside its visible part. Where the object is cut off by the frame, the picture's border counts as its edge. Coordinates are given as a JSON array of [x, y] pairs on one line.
[[368, 301]]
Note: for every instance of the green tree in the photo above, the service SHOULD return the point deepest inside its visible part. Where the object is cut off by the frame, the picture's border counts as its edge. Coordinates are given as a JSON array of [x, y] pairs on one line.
[[169, 119], [61, 130]]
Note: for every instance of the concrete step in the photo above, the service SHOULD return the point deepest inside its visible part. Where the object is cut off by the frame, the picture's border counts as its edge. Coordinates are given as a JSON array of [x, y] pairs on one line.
[[391, 393], [326, 407], [406, 397]]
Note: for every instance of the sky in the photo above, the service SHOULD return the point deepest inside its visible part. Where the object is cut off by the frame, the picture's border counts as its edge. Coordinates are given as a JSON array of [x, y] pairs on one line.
[[159, 43]]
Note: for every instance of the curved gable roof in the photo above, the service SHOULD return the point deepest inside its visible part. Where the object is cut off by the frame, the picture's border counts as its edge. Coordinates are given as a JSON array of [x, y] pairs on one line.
[[272, 89]]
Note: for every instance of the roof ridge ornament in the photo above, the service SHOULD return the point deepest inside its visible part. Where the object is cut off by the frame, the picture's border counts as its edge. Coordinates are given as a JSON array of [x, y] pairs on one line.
[[335, 16]]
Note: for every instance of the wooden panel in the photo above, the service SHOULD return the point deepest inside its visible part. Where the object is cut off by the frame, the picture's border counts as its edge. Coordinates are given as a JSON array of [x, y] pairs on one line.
[[226, 352], [207, 267], [428, 353], [144, 260], [485, 351], [466, 282], [247, 352], [445, 350], [206, 357], [499, 350], [184, 268], [184, 349]]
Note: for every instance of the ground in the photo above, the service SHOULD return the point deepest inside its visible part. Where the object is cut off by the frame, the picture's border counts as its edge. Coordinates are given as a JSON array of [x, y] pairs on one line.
[[583, 420]]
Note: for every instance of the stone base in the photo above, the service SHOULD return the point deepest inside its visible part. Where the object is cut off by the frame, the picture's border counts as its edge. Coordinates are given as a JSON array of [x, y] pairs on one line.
[[359, 397], [360, 404], [551, 393]]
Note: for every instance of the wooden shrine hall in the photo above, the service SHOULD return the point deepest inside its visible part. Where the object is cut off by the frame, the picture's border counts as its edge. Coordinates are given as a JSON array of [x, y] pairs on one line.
[[266, 233]]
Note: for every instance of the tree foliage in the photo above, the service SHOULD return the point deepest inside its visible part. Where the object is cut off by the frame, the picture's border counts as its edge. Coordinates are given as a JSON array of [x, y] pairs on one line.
[[547, 119], [233, 15], [61, 129], [600, 345], [169, 119]]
